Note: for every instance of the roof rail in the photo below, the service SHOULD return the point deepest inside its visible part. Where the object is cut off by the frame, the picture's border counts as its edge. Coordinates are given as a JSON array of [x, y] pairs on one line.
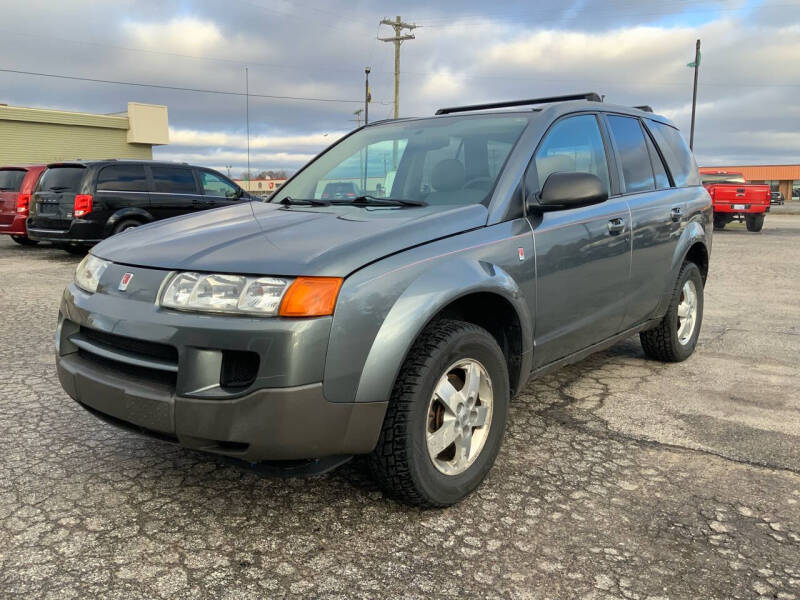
[[644, 107], [591, 96]]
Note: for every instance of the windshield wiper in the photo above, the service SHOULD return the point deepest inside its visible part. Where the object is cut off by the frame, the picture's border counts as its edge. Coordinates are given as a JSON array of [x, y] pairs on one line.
[[289, 201], [376, 201]]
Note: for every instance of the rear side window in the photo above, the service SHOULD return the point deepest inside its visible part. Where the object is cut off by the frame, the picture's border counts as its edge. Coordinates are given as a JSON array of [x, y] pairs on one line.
[[61, 179], [629, 139], [175, 180], [659, 170], [573, 144], [122, 178], [677, 154]]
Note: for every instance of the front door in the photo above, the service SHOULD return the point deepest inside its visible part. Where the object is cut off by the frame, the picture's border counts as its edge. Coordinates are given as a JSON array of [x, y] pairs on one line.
[[582, 254], [217, 190]]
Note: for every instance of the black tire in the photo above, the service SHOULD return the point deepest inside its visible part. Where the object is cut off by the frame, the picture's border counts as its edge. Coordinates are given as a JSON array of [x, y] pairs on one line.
[[754, 223], [124, 225], [719, 222], [400, 462], [24, 240], [662, 342], [73, 249]]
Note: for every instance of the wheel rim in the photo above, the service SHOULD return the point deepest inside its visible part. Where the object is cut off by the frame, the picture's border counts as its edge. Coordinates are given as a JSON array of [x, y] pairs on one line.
[[687, 312], [459, 416]]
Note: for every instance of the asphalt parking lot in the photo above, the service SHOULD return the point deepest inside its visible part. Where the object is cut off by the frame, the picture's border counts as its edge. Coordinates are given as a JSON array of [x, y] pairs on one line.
[[619, 477]]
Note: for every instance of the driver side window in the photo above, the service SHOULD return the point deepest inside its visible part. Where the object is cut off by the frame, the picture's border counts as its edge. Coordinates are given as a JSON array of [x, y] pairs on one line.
[[573, 144]]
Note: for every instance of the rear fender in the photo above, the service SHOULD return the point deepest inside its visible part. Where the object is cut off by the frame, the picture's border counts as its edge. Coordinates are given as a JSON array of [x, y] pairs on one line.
[[130, 212], [694, 233]]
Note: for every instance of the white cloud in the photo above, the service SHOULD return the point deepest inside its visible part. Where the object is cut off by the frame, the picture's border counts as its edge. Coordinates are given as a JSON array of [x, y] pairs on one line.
[[183, 34]]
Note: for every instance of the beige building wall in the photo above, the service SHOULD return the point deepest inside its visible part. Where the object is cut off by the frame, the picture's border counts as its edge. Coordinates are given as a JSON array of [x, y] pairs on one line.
[[32, 135]]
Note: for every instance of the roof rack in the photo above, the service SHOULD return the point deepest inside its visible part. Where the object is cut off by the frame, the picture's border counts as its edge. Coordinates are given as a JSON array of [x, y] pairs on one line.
[[644, 107], [591, 96]]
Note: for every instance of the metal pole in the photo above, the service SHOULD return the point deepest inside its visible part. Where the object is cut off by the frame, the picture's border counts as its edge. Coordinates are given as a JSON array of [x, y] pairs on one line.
[[247, 113], [366, 95], [694, 92], [397, 31]]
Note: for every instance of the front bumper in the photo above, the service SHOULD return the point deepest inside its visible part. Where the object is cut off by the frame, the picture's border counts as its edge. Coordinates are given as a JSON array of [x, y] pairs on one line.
[[267, 424], [164, 372], [16, 227], [749, 209]]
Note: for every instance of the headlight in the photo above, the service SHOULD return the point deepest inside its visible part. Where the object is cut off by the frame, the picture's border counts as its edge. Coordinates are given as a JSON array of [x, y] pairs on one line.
[[225, 293], [89, 272], [262, 296]]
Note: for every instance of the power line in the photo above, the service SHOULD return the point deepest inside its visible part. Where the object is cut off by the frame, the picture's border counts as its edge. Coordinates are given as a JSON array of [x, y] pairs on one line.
[[183, 89]]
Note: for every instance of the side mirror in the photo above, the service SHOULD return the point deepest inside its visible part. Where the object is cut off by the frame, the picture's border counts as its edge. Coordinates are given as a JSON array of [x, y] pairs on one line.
[[569, 190]]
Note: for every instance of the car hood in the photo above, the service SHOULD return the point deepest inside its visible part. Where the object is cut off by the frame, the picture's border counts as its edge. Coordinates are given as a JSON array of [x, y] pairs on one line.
[[262, 238]]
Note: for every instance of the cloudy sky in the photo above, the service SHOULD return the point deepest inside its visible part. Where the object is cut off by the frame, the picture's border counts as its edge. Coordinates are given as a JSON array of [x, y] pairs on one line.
[[633, 51]]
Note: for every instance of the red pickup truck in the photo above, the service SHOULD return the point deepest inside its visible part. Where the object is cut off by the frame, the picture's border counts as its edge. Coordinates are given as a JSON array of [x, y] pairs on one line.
[[16, 187], [735, 199]]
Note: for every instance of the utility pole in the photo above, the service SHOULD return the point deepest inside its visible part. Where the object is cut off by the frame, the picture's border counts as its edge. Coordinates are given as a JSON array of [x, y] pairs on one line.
[[367, 95], [398, 39], [358, 116], [247, 112], [696, 65]]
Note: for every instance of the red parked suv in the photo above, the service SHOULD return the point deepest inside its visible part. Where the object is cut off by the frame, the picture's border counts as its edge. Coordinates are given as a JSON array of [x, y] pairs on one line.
[[16, 187]]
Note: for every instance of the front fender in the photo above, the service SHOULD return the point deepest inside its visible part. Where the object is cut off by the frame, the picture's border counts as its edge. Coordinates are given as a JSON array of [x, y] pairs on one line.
[[427, 295]]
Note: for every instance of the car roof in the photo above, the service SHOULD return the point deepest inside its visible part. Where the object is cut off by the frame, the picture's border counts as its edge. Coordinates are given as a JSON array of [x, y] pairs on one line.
[[117, 161], [554, 109]]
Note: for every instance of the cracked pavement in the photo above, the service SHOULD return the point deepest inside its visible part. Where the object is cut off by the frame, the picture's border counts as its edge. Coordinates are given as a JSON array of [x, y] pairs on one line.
[[618, 478]]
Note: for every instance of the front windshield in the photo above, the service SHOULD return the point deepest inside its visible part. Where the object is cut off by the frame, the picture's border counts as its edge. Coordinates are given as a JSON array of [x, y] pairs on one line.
[[452, 160]]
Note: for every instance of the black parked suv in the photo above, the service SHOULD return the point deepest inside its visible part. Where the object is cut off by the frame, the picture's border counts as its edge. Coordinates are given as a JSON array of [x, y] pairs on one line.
[[77, 204]]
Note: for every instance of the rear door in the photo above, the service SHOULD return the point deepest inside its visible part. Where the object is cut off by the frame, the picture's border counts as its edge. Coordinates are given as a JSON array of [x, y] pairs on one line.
[[582, 254], [174, 191], [54, 200], [657, 214], [120, 186], [10, 184], [218, 191]]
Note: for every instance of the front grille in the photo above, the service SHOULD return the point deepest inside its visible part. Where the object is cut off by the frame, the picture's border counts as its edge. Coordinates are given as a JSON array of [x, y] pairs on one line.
[[126, 344], [122, 351], [144, 373]]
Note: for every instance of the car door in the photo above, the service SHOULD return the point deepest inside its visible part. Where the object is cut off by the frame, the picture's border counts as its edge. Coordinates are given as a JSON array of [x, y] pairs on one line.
[[120, 186], [218, 191], [582, 254], [174, 191], [657, 214]]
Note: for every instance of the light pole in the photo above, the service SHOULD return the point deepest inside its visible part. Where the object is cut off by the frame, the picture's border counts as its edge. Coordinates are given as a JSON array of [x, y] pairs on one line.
[[366, 95]]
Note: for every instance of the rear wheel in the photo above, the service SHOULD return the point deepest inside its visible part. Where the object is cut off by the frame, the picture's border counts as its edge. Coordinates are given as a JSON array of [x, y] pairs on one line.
[[446, 416], [754, 222], [75, 249], [675, 337], [24, 240], [124, 225]]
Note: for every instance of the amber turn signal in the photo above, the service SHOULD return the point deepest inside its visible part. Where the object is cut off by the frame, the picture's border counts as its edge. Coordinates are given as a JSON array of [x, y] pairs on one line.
[[311, 297]]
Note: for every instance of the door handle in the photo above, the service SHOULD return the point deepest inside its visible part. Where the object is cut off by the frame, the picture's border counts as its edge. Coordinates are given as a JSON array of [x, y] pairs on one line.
[[676, 213], [616, 226]]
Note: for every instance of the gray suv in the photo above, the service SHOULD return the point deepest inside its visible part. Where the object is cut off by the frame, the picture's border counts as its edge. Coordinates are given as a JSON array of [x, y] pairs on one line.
[[485, 248]]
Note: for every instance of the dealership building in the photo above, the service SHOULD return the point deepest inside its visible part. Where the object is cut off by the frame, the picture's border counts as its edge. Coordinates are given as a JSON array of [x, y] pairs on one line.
[[36, 135], [781, 178]]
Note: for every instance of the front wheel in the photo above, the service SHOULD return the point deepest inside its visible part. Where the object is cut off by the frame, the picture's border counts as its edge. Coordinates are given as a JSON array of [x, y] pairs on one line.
[[675, 337], [720, 222], [754, 223], [446, 416], [24, 240]]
